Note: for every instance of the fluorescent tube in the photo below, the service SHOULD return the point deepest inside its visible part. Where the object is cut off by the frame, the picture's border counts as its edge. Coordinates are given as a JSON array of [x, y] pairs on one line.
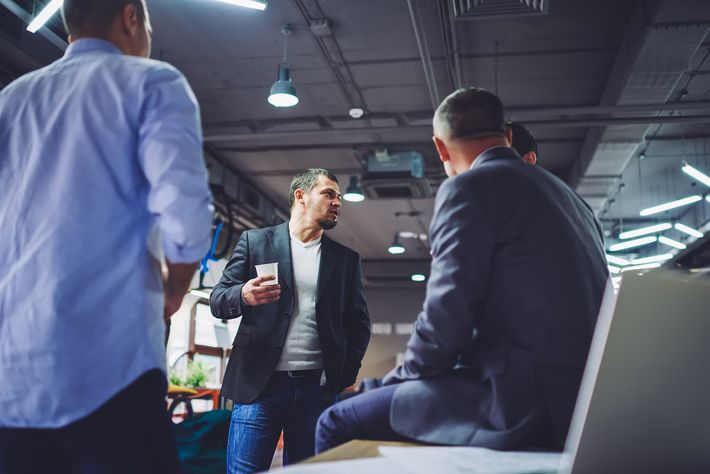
[[44, 15], [641, 267], [616, 260], [688, 230], [645, 230], [632, 243], [671, 243], [254, 4], [695, 173], [652, 259], [671, 205]]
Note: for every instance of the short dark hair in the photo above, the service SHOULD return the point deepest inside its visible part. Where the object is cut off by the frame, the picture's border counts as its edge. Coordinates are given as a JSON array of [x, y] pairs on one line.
[[306, 180], [523, 140], [93, 16], [469, 112]]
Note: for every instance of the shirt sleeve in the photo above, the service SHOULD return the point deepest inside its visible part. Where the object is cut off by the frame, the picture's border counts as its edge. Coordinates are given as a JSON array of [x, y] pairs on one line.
[[170, 153]]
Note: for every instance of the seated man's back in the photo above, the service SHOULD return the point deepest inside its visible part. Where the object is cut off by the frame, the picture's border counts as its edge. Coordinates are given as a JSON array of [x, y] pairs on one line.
[[517, 277]]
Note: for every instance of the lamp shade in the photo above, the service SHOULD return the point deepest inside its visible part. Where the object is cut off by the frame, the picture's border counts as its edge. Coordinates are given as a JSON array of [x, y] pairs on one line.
[[395, 247], [354, 192], [283, 94]]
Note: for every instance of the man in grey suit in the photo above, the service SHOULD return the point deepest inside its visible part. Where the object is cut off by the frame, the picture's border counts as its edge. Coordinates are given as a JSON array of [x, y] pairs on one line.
[[301, 341], [517, 278]]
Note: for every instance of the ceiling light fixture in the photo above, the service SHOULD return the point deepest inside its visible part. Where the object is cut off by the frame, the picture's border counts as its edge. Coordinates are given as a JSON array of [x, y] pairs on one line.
[[671, 205], [283, 94], [395, 247], [688, 230], [43, 16], [354, 192], [632, 243], [672, 243], [418, 277], [645, 230], [617, 260], [695, 173], [253, 4], [641, 267], [356, 112], [652, 259]]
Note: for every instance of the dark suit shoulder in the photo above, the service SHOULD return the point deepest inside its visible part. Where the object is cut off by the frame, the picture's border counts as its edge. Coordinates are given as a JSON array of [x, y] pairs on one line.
[[343, 249]]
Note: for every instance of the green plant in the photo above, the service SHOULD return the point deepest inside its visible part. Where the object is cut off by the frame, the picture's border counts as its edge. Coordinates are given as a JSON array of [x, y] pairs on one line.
[[196, 374], [175, 379]]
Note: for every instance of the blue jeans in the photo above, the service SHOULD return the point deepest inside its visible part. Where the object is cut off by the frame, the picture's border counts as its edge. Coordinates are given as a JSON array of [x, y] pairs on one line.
[[292, 402]]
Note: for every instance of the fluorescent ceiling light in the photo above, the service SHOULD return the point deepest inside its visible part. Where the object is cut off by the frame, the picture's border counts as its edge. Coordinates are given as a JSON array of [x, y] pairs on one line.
[[641, 267], [613, 270], [645, 230], [652, 259], [201, 293], [671, 205], [688, 230], [254, 4], [43, 16], [617, 260], [695, 173], [632, 243], [418, 277], [672, 243]]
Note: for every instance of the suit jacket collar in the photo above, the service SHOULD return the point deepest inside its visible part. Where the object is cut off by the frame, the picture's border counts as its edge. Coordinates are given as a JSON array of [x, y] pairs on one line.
[[496, 153], [281, 245], [280, 241]]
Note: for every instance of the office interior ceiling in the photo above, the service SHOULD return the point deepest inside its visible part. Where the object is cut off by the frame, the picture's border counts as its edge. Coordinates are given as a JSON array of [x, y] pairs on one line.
[[598, 82]]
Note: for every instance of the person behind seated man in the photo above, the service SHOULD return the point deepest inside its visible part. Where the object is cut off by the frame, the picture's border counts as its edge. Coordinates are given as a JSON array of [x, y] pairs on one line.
[[517, 277], [523, 141]]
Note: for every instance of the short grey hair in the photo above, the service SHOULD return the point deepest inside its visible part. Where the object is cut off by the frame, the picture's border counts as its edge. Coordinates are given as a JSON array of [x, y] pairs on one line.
[[306, 180], [469, 113]]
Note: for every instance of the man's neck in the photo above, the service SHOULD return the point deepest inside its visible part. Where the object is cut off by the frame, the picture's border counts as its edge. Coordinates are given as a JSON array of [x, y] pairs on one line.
[[470, 150], [303, 229]]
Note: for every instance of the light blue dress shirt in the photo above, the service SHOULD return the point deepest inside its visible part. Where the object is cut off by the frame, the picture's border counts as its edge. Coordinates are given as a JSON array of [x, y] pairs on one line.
[[99, 154]]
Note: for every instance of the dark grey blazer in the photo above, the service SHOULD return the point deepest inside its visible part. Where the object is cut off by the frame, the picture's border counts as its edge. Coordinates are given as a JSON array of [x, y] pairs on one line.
[[517, 278], [341, 313]]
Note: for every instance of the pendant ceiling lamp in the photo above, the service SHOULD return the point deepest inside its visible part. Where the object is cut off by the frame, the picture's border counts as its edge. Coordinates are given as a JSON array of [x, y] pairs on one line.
[[283, 94]]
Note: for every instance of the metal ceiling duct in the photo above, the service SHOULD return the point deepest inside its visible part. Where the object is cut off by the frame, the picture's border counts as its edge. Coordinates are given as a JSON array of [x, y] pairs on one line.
[[658, 46], [475, 9]]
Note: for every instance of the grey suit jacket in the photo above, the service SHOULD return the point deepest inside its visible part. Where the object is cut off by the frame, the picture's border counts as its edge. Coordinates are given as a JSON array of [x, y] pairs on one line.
[[341, 313], [517, 278]]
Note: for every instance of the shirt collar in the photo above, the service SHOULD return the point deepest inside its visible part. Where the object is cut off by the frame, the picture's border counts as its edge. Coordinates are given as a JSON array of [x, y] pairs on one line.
[[90, 45], [492, 152]]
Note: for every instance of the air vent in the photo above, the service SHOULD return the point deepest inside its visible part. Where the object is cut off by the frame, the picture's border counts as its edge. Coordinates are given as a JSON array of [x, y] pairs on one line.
[[474, 9], [397, 189]]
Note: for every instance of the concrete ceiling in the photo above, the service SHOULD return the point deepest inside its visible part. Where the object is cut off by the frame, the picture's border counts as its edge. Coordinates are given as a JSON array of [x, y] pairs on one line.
[[598, 82]]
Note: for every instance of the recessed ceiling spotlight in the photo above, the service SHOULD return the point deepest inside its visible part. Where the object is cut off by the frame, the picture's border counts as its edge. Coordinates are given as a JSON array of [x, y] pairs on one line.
[[418, 277], [356, 112]]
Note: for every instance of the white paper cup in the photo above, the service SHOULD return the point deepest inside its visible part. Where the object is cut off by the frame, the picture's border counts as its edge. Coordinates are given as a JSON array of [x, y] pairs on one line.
[[268, 269]]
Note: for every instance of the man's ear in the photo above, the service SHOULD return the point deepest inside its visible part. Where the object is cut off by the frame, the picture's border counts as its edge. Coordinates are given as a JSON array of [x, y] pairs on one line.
[[530, 158], [130, 20], [298, 195], [441, 149]]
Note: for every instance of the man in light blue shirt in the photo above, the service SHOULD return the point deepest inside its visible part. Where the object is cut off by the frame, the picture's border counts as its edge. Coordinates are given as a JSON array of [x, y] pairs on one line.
[[101, 175]]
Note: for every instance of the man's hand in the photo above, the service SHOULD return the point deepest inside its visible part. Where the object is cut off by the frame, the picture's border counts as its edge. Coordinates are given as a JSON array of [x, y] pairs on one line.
[[255, 293]]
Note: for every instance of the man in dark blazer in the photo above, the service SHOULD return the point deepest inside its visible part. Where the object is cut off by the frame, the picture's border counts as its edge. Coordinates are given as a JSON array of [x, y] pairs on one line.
[[301, 341], [517, 277]]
